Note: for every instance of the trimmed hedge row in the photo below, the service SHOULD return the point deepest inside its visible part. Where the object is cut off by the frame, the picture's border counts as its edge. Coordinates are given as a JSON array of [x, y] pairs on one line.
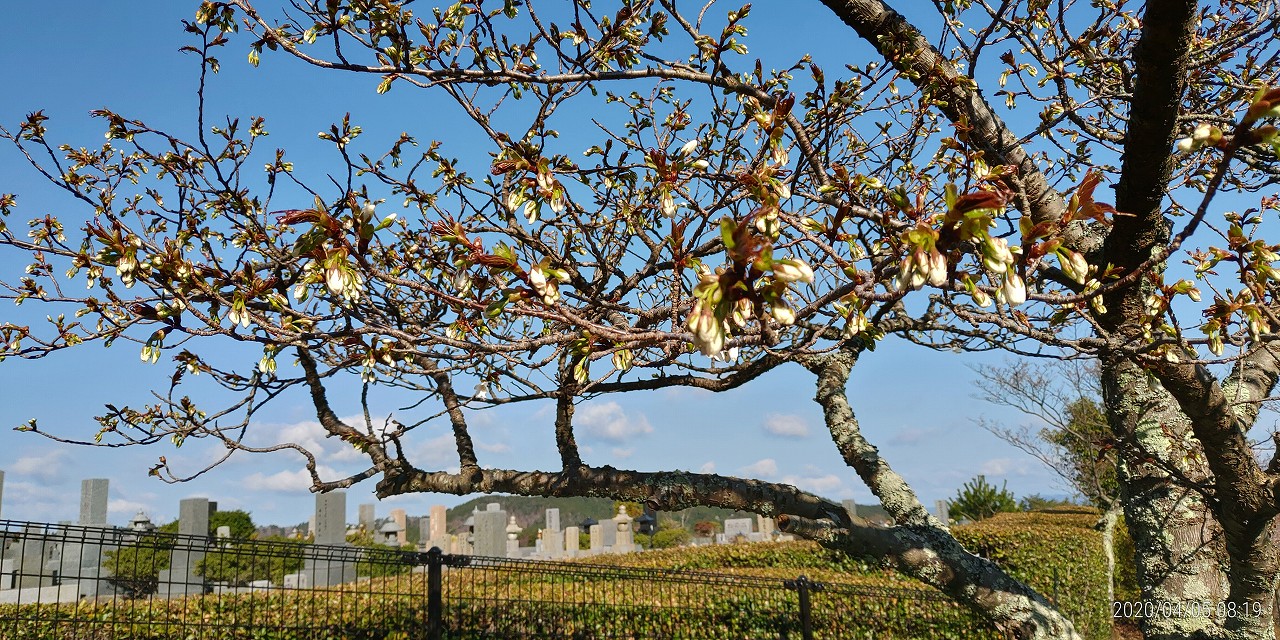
[[1058, 553], [488, 604]]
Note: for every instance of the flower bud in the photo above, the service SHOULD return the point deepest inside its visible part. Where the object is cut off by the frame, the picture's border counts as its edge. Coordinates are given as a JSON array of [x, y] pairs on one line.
[[784, 314], [1074, 265], [937, 269], [668, 205], [622, 359], [792, 270], [335, 279], [1014, 290]]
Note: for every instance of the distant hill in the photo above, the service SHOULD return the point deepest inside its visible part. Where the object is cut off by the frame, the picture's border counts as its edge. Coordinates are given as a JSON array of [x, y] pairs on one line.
[[531, 511]]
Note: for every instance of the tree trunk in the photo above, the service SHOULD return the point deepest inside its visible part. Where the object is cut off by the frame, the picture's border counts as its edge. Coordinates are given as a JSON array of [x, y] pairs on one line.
[[1177, 546]]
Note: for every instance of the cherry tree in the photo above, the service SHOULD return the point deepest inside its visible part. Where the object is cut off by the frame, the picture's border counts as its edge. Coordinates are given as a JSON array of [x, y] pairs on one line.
[[724, 217]]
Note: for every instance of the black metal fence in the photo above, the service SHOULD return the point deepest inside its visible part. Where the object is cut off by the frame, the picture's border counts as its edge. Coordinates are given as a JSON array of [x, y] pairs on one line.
[[72, 582]]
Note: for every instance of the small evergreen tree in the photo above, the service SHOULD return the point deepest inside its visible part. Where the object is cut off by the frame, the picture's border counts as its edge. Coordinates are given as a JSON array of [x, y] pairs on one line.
[[979, 500]]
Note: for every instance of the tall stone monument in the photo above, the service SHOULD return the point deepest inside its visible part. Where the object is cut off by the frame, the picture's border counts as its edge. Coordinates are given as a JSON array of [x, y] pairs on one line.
[[490, 532], [398, 516], [93, 502], [439, 527], [367, 517], [571, 543], [552, 536], [180, 578], [331, 560]]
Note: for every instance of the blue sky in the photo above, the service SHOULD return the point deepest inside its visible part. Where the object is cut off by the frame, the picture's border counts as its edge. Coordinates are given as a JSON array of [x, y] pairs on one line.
[[917, 405]]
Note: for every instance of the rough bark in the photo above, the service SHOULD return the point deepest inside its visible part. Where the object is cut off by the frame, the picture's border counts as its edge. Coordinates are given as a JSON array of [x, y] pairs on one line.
[[931, 553]]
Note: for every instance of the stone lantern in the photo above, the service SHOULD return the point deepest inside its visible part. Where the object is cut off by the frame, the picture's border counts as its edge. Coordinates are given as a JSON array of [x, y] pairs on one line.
[[513, 533]]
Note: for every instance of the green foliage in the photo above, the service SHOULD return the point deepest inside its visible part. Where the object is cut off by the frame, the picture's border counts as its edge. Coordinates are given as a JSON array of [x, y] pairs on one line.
[[1056, 552], [1037, 502], [1082, 440], [1126, 575], [241, 525], [238, 564], [668, 538], [482, 603], [135, 569], [979, 500]]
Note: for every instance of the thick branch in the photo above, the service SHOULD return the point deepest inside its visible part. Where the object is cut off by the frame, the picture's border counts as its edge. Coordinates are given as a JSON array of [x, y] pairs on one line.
[[895, 494], [920, 546], [1160, 63], [461, 436], [667, 491], [330, 420]]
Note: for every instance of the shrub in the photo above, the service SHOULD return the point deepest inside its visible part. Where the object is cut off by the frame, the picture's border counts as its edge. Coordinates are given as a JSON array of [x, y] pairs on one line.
[[668, 538]]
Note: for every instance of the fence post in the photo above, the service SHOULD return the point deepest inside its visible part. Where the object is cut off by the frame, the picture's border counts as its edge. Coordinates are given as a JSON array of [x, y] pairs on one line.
[[803, 587], [435, 604]]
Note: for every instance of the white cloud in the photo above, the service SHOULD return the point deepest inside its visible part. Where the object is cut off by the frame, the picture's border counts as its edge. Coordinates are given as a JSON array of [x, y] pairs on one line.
[[39, 502], [708, 467], [765, 468], [125, 507], [437, 451], [296, 481], [785, 425], [49, 466], [821, 485], [619, 452], [309, 435], [495, 447], [607, 421], [1005, 466]]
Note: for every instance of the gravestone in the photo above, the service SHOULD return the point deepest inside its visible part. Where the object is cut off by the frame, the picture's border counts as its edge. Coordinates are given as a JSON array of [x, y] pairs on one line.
[[30, 554], [180, 578], [331, 560], [552, 537], [597, 537], [571, 542], [850, 507], [765, 525], [79, 559], [489, 537], [367, 517], [93, 502], [224, 532], [424, 533], [734, 527], [944, 511], [331, 518], [439, 522]]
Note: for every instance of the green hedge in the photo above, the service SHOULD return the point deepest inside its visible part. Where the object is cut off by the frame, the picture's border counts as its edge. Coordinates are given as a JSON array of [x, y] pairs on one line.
[[1058, 553]]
